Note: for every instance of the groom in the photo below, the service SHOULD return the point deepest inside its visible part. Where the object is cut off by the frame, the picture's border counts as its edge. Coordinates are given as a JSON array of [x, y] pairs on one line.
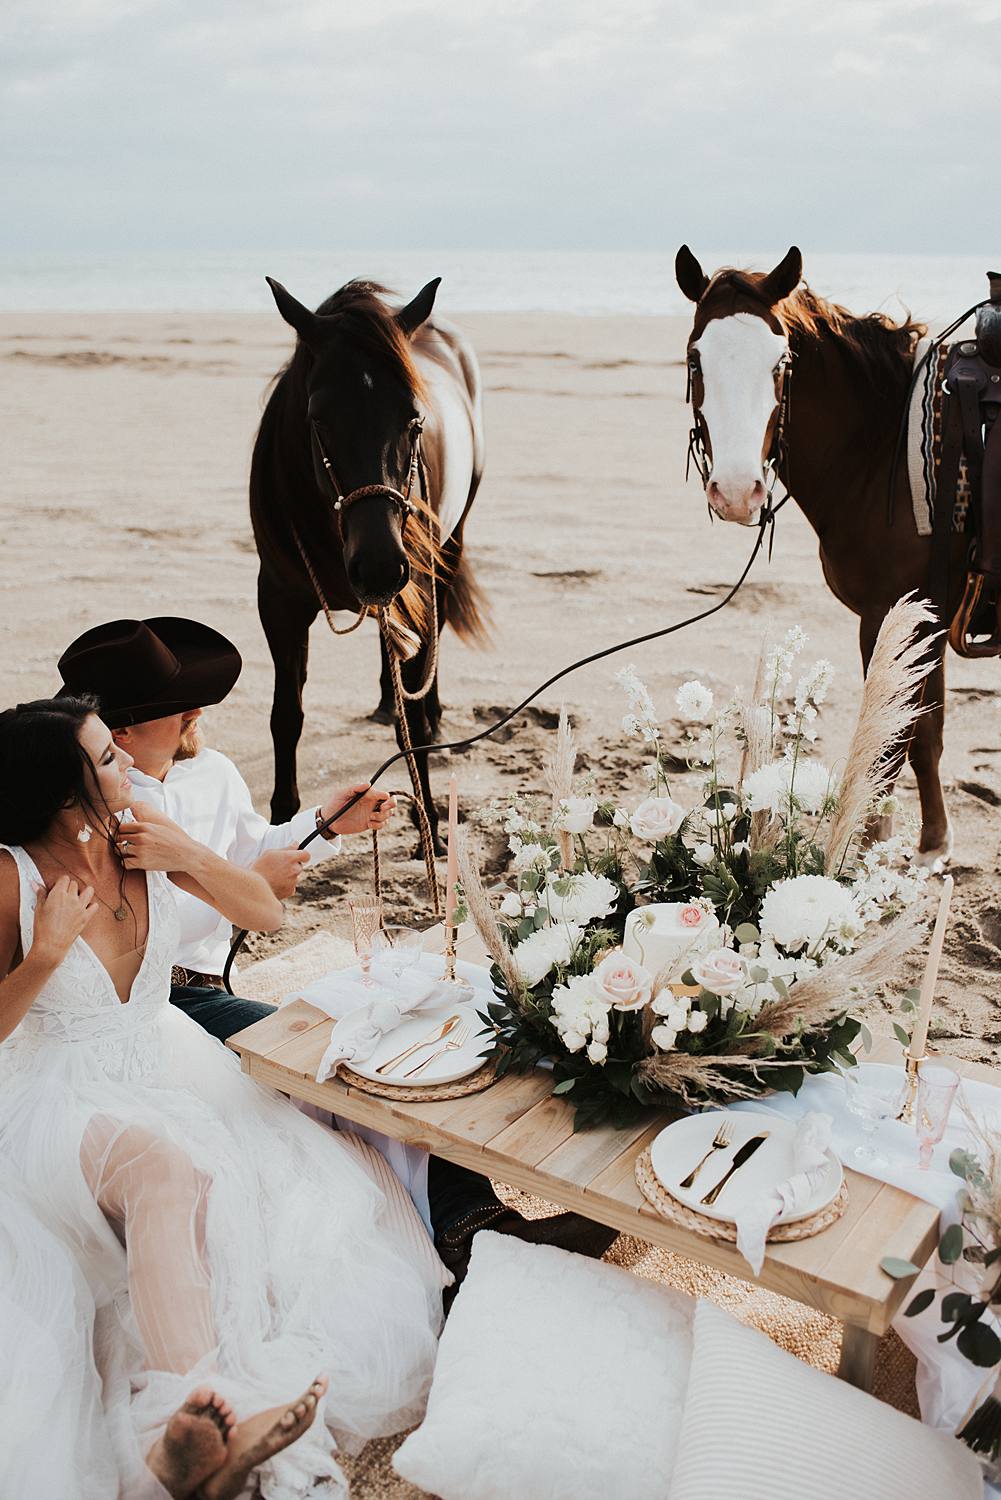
[[152, 678]]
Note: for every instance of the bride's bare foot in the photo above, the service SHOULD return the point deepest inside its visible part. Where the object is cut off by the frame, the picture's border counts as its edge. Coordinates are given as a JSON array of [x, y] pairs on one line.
[[193, 1444], [257, 1439]]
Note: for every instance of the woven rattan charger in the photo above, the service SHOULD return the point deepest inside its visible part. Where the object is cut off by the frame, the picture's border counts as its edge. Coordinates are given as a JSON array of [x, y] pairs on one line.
[[669, 1207], [472, 1084]]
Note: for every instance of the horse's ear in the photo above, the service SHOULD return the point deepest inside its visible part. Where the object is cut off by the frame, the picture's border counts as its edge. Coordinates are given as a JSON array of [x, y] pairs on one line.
[[295, 314], [691, 277], [785, 278], [417, 312]]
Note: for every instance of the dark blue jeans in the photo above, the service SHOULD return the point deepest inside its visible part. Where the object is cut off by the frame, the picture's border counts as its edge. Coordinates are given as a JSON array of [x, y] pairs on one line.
[[453, 1191], [220, 1014]]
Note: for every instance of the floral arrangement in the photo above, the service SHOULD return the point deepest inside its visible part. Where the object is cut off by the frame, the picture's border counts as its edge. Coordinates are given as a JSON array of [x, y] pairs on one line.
[[702, 953]]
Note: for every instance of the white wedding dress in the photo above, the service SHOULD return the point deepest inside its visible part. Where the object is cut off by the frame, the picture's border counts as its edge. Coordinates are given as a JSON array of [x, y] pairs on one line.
[[163, 1220]]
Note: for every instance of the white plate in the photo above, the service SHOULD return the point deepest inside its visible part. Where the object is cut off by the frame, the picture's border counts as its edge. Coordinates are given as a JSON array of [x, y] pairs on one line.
[[450, 1066], [679, 1146]]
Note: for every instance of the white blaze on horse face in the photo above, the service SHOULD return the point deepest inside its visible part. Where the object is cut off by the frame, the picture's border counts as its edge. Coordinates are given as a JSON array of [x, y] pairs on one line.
[[738, 355]]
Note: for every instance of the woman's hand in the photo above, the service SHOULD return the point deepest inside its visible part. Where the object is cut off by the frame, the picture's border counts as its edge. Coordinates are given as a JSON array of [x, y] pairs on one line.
[[373, 810], [153, 842], [60, 917]]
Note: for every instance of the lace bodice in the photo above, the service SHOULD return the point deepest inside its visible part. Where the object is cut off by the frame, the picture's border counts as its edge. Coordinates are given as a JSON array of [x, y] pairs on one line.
[[79, 1003]]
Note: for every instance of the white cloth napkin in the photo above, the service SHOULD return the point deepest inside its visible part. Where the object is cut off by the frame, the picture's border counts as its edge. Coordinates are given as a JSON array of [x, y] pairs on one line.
[[364, 1014], [758, 1214]]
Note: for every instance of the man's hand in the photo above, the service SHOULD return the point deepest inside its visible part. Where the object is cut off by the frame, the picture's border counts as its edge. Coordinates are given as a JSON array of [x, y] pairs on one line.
[[154, 842], [281, 868], [374, 810]]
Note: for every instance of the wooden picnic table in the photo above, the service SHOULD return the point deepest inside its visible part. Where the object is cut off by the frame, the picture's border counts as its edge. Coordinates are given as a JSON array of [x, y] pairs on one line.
[[518, 1133]]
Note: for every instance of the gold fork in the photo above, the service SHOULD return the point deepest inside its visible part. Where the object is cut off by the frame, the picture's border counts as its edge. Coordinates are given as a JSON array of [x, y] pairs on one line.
[[454, 1043], [720, 1142]]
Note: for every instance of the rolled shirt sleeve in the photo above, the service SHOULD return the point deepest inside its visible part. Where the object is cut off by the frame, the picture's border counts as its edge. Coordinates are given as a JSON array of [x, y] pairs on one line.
[[253, 835]]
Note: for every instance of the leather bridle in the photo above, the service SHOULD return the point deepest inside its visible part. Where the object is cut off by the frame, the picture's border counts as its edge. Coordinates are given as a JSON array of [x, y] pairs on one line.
[[402, 501], [698, 440]]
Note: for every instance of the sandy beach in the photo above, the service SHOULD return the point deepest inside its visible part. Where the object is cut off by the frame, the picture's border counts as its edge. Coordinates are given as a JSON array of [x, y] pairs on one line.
[[127, 441]]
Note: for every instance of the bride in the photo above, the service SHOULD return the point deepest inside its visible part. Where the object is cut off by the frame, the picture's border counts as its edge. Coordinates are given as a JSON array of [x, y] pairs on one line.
[[225, 1251]]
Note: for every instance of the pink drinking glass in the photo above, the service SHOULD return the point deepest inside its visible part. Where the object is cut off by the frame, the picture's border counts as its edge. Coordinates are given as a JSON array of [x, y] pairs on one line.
[[366, 920], [936, 1089]]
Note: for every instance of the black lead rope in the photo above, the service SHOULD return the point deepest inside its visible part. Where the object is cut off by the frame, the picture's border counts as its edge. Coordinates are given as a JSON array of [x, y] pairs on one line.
[[765, 520]]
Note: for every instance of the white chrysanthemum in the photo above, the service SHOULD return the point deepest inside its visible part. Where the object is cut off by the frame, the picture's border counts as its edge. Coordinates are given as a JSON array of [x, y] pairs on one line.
[[531, 856], [806, 912], [767, 789], [695, 701], [589, 897], [535, 956]]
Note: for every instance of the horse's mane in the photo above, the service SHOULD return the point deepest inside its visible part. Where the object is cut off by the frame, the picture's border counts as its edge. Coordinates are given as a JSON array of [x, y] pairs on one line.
[[879, 349], [367, 321]]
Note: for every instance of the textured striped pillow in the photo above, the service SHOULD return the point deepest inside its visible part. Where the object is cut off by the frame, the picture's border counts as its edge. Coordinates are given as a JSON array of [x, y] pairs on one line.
[[761, 1425]]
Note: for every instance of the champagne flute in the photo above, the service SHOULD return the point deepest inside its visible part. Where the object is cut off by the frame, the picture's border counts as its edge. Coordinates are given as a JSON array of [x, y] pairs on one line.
[[936, 1089], [366, 920], [397, 948]]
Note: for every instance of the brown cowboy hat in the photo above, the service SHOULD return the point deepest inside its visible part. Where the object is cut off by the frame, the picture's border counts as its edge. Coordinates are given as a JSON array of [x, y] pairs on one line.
[[149, 669]]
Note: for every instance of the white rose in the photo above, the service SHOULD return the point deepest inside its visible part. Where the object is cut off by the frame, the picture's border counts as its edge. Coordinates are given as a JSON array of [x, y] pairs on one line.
[[573, 1041], [621, 982], [620, 819], [703, 854], [600, 1030], [576, 814], [721, 971], [657, 818], [698, 1021], [677, 1016], [663, 1037], [529, 855], [511, 905], [597, 1052]]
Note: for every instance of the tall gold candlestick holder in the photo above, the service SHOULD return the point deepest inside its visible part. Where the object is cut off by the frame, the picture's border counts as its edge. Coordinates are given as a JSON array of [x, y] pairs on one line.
[[906, 1111], [451, 936]]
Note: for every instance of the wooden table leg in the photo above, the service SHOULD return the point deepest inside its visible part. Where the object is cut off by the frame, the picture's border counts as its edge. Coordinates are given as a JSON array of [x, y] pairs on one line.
[[858, 1356]]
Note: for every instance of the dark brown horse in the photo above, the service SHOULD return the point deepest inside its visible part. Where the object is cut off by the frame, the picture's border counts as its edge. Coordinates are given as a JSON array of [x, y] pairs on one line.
[[846, 390], [370, 398]]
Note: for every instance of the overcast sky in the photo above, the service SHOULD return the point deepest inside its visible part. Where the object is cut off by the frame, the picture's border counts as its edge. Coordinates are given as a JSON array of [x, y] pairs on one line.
[[528, 124]]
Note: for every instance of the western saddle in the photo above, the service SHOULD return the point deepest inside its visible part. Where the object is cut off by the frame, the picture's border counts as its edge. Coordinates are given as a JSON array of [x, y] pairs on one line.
[[971, 433]]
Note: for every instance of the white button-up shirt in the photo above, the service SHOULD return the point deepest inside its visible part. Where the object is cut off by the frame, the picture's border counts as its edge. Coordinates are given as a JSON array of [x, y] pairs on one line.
[[209, 799]]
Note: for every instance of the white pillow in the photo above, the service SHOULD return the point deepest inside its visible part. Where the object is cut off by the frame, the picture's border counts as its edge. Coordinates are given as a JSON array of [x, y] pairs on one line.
[[760, 1424], [558, 1378]]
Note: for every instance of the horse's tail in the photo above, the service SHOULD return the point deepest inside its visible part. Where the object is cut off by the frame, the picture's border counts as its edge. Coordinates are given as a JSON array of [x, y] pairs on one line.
[[466, 607]]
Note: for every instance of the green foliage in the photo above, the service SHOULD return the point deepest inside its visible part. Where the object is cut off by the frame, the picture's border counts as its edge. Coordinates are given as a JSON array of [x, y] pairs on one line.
[[899, 1269]]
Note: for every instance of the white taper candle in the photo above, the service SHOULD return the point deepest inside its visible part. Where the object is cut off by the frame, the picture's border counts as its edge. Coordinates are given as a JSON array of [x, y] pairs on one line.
[[919, 1033]]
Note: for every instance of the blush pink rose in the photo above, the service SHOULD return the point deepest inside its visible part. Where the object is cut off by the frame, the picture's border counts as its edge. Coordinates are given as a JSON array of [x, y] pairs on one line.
[[621, 982], [720, 972], [657, 818]]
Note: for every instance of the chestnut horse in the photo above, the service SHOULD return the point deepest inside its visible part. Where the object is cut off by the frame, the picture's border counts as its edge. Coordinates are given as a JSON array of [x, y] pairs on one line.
[[375, 405], [762, 345]]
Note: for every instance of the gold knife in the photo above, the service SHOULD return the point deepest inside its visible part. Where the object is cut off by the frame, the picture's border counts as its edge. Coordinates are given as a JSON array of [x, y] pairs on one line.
[[428, 1041], [746, 1151]]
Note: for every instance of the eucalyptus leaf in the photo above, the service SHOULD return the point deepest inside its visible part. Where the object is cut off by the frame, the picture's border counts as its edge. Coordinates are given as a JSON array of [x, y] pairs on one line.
[[746, 933], [902, 1037], [899, 1269], [565, 1086], [950, 1246], [922, 1301], [954, 1305], [980, 1345], [866, 1036]]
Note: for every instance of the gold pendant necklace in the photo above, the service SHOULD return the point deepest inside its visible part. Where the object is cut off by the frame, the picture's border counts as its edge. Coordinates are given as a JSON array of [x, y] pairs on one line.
[[119, 912]]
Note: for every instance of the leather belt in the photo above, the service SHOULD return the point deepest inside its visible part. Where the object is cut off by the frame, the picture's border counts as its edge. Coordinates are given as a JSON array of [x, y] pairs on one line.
[[188, 979]]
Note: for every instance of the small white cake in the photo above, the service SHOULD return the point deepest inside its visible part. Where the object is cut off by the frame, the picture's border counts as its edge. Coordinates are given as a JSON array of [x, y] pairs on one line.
[[668, 934]]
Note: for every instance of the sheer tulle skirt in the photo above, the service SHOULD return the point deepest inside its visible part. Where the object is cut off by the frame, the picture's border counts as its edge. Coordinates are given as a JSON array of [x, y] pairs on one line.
[[200, 1225]]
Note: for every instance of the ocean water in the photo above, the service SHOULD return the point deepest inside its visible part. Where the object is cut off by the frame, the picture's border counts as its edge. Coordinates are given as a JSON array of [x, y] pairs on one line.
[[933, 287]]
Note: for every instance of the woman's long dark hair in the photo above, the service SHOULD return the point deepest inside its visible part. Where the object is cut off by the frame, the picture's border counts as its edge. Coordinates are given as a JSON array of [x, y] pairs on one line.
[[43, 768]]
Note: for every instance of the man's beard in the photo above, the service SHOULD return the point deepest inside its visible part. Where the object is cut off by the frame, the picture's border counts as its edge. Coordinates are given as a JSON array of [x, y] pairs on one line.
[[191, 743]]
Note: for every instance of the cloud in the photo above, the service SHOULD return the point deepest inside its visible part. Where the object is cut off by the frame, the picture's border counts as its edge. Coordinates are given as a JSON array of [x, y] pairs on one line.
[[246, 123]]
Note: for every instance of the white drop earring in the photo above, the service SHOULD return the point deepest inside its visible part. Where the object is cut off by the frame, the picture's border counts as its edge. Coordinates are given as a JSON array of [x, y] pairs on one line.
[[84, 835]]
